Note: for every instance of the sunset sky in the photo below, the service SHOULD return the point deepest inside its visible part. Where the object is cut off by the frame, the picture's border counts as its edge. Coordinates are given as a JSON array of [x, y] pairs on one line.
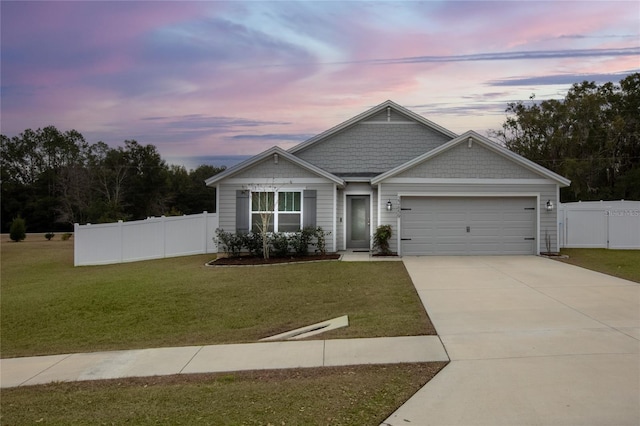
[[235, 78]]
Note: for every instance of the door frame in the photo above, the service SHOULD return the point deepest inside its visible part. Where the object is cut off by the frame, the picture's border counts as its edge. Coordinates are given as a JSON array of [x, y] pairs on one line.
[[347, 195]]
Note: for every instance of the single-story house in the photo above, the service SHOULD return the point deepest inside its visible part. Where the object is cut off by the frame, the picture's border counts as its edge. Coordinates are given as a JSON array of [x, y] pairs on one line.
[[442, 193]]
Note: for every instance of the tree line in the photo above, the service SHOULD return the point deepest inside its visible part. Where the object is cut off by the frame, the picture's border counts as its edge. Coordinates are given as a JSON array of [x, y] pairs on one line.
[[53, 179], [592, 137]]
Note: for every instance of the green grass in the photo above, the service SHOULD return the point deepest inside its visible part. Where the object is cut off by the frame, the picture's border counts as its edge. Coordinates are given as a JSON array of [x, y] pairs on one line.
[[50, 307], [360, 395], [619, 263]]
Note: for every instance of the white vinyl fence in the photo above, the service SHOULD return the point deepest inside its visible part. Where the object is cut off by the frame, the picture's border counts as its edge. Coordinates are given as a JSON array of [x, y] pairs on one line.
[[600, 224], [152, 238]]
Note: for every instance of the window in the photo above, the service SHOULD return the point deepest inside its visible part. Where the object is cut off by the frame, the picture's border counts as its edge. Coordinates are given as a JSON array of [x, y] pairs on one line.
[[285, 215]]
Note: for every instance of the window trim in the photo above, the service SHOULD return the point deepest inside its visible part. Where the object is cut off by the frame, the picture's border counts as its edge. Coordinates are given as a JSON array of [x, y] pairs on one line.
[[276, 212]]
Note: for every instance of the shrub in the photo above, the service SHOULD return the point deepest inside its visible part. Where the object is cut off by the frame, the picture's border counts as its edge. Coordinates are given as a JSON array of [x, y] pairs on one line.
[[280, 243], [381, 239], [66, 236], [321, 244], [253, 242], [49, 235], [300, 241], [18, 230], [231, 243]]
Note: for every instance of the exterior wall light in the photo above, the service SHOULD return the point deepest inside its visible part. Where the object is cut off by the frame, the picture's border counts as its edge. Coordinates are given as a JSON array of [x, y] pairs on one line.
[[389, 206], [549, 205]]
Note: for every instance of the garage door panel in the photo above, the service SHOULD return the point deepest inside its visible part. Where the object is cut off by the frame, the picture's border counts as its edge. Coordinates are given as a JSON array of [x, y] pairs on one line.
[[496, 225], [449, 230]]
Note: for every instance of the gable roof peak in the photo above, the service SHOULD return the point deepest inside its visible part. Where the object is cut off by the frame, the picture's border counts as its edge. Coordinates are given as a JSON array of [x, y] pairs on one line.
[[275, 150], [367, 114], [471, 136]]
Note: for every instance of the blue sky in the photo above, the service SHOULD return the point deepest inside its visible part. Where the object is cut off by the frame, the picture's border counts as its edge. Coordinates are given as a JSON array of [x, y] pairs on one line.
[[235, 78]]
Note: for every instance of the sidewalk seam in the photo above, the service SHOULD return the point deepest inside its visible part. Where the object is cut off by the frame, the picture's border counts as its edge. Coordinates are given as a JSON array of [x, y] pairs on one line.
[[48, 368], [190, 359]]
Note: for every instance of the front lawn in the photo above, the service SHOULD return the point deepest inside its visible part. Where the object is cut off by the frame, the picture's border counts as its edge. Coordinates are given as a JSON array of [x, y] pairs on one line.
[[619, 263], [50, 307]]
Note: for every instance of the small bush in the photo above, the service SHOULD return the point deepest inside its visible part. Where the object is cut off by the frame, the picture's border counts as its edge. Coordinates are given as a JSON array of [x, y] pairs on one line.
[[49, 235], [231, 243], [253, 242], [280, 243], [321, 244], [66, 236], [18, 230], [381, 239], [300, 241]]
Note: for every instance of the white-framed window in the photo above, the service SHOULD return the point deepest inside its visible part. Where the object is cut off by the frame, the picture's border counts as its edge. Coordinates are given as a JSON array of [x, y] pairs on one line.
[[283, 208]]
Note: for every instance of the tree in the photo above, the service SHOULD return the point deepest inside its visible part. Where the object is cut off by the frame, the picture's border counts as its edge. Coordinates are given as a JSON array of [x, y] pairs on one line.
[[54, 179], [263, 205], [110, 171], [147, 193], [592, 137], [32, 165], [18, 230]]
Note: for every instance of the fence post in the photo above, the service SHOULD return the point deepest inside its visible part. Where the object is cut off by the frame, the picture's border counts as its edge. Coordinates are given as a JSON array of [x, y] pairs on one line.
[[608, 227], [164, 236], [205, 220], [121, 242], [76, 227]]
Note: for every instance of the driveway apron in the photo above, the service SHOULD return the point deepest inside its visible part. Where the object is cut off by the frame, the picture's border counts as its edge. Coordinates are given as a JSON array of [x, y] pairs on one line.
[[532, 341]]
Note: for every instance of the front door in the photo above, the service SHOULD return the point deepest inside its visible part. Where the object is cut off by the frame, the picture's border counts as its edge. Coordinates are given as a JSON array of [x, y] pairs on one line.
[[358, 221]]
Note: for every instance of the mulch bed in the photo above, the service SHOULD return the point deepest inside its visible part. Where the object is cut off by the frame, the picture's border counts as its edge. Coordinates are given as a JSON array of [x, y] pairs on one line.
[[253, 260]]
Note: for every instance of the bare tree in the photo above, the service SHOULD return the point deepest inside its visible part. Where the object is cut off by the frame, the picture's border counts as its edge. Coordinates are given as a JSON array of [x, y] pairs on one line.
[[264, 202]]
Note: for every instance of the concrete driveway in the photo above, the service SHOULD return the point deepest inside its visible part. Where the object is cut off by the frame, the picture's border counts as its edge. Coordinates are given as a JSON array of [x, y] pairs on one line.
[[532, 342]]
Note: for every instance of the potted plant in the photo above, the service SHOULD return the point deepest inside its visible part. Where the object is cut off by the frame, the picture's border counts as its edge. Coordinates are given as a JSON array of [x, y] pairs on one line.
[[381, 240]]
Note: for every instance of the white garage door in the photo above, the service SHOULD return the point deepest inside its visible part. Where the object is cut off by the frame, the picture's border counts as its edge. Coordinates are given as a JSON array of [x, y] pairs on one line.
[[468, 225]]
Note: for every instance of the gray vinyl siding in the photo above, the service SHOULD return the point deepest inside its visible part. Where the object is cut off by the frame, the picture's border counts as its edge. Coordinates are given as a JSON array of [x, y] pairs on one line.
[[464, 162], [324, 206], [324, 210], [267, 168], [372, 147], [341, 220], [548, 220]]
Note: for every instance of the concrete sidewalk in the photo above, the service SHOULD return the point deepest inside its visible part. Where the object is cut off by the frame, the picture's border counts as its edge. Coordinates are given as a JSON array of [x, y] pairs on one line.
[[532, 341], [219, 358]]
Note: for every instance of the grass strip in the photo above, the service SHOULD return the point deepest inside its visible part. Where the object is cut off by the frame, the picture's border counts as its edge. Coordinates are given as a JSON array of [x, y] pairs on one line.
[[356, 395], [618, 263]]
